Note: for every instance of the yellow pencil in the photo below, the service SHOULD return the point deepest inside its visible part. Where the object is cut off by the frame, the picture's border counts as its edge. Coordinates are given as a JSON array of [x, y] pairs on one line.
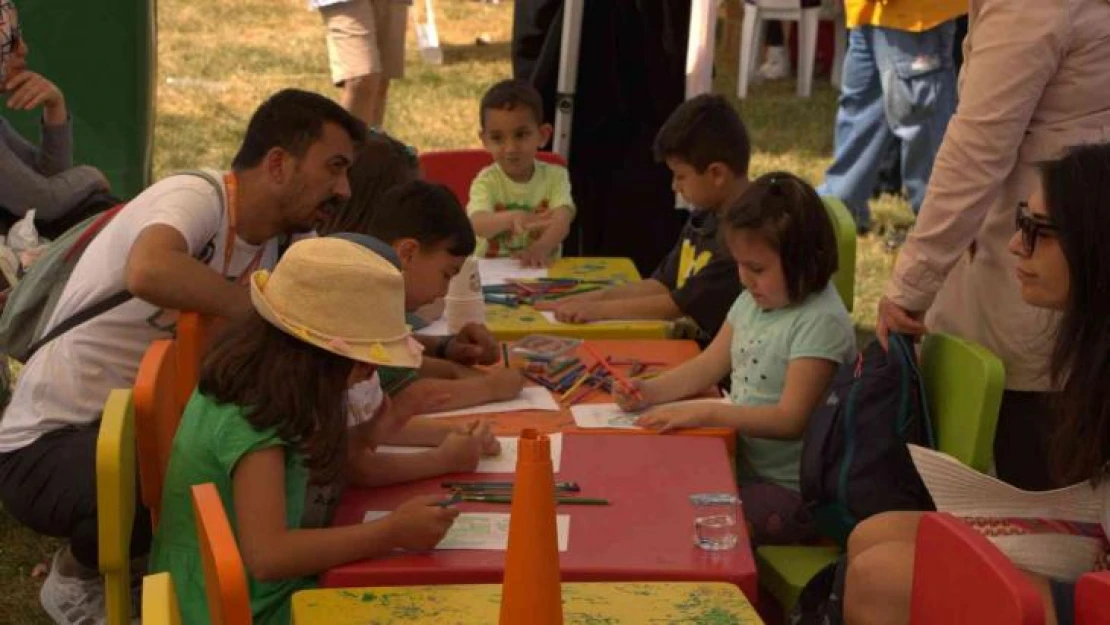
[[573, 387]]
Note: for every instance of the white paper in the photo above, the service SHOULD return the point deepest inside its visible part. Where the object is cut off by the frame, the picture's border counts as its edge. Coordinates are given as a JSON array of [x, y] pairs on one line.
[[497, 271], [435, 328], [486, 531], [612, 416], [531, 398], [550, 317], [505, 462]]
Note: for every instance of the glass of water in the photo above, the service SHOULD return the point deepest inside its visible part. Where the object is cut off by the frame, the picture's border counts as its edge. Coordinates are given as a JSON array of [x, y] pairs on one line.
[[717, 519]]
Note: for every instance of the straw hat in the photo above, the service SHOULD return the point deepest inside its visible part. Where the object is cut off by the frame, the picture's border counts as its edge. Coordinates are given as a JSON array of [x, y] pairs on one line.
[[339, 296]]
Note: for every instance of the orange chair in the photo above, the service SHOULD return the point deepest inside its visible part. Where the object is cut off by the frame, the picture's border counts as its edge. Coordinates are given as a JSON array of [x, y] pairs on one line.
[[960, 578], [194, 334], [158, 409], [456, 169], [225, 580], [1092, 599]]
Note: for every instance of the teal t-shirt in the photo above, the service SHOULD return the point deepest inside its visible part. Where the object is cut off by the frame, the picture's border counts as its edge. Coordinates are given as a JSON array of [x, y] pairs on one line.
[[209, 443], [763, 344]]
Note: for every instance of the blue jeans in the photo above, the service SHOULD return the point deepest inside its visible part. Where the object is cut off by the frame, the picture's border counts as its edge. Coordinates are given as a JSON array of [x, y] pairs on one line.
[[899, 87]]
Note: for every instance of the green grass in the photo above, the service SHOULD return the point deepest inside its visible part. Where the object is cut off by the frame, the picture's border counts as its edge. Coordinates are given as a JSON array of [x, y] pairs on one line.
[[218, 60]]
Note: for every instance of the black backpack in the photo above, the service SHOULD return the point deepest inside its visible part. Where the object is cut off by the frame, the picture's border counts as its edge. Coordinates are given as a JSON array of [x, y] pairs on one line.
[[854, 457]]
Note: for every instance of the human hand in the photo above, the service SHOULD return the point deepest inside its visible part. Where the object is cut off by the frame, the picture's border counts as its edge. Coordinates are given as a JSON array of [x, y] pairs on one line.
[[589, 296], [676, 418], [580, 311], [505, 384], [419, 524], [894, 318], [629, 401], [459, 452], [28, 90], [490, 446], [523, 221], [538, 254], [473, 344]]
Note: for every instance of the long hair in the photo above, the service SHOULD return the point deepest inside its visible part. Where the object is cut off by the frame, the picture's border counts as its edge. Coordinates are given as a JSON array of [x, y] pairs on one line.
[[1076, 189], [383, 163], [286, 384]]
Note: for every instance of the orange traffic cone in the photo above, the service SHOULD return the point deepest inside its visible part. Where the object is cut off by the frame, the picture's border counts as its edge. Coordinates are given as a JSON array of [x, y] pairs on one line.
[[531, 593]]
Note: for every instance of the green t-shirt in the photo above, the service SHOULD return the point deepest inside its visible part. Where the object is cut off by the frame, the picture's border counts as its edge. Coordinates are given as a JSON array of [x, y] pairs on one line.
[[209, 443], [763, 344], [492, 190]]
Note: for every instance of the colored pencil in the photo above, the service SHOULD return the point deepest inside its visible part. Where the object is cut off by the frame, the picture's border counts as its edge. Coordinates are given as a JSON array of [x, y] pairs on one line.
[[455, 498], [571, 487], [582, 501], [538, 380], [505, 354], [577, 383], [617, 375]]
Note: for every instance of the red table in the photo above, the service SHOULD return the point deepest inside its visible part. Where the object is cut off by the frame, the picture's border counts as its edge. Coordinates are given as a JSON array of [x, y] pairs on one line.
[[646, 534]]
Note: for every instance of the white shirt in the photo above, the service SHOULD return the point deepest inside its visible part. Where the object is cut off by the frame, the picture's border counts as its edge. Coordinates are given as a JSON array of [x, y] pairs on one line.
[[67, 381]]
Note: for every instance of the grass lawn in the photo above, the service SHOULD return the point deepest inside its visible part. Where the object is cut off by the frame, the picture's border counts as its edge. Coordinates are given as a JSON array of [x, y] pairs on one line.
[[218, 60]]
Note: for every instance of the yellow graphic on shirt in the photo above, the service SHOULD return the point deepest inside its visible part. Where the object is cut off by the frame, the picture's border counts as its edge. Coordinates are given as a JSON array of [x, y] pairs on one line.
[[690, 263]]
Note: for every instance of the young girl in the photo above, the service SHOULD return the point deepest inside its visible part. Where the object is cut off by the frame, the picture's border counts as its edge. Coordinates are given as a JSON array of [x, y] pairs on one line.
[[782, 341], [269, 426]]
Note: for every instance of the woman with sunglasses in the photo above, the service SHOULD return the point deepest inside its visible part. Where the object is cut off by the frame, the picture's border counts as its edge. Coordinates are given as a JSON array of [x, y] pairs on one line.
[[1063, 265], [40, 177]]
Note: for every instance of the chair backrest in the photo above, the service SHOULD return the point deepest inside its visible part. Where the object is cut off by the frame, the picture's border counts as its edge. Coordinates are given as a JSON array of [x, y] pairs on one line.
[[960, 578], [456, 169], [158, 411], [115, 503], [160, 601], [1092, 599], [963, 385], [194, 335], [225, 580], [845, 228]]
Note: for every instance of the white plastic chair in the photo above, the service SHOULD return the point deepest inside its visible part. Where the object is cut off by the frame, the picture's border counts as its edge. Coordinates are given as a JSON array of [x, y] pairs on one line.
[[758, 11]]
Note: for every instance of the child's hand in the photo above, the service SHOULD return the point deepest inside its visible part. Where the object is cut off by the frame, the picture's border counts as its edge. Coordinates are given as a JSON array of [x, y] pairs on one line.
[[505, 383], [473, 344], [538, 254], [419, 524], [489, 443], [628, 402], [579, 311], [667, 419], [459, 453], [555, 304], [529, 222]]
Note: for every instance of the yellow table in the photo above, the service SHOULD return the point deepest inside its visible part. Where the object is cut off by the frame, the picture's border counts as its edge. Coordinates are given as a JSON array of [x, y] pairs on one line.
[[608, 602], [508, 324]]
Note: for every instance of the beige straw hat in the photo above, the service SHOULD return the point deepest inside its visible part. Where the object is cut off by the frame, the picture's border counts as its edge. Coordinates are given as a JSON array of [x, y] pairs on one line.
[[339, 296]]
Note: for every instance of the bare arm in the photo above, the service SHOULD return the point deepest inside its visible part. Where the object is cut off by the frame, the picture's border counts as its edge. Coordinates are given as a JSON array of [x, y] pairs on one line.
[[695, 375], [490, 224]]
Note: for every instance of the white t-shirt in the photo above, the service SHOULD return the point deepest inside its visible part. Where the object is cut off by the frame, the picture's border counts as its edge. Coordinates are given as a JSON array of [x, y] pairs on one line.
[[67, 381]]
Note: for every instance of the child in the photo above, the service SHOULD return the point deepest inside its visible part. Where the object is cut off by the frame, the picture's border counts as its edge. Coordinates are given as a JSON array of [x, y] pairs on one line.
[[268, 421], [783, 340], [520, 206], [705, 145]]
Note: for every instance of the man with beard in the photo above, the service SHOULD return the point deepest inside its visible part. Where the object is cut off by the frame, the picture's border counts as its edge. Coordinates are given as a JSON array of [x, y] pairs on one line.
[[185, 243]]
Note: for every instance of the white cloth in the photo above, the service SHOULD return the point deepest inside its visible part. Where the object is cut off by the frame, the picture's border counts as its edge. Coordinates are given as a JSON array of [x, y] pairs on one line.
[[68, 380], [363, 400]]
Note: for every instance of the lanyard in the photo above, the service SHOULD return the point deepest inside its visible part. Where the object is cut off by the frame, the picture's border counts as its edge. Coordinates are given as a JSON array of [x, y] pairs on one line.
[[231, 181]]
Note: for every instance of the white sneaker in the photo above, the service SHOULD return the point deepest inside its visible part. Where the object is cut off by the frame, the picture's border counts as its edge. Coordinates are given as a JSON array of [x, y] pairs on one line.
[[72, 600], [777, 64]]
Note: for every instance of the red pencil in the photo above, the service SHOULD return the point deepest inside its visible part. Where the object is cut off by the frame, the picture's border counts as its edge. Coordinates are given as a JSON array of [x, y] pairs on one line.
[[617, 375]]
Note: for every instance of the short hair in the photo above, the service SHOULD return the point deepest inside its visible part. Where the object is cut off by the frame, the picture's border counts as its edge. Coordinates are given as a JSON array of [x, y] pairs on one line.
[[382, 164], [292, 120], [792, 218], [509, 94], [424, 211], [704, 130]]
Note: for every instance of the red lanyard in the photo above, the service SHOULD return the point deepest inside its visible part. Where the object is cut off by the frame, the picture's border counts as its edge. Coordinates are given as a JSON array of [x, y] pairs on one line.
[[231, 182]]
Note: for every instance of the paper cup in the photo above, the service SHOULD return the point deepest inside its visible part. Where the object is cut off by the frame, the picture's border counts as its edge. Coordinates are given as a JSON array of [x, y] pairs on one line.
[[460, 311], [467, 284]]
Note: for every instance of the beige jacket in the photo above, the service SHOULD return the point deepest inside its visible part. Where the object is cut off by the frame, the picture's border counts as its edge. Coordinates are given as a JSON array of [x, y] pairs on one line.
[[1036, 80]]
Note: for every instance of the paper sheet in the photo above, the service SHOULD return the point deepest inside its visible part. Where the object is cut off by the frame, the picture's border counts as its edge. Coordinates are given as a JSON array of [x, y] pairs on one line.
[[435, 328], [611, 415], [531, 398], [505, 462], [550, 317], [497, 271], [486, 531]]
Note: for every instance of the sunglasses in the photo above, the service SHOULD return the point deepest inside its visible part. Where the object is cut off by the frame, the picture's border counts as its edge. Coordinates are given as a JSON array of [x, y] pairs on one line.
[[1032, 227]]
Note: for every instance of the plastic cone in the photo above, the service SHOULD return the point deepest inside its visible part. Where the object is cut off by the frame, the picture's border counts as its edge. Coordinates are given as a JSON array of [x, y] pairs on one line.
[[531, 593]]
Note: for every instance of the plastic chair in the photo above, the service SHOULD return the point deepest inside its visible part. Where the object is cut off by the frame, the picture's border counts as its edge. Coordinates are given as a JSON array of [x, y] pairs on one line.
[[115, 503], [1092, 599], [845, 227], [959, 577], [194, 335], [158, 409], [756, 12], [963, 386], [456, 169], [225, 580], [160, 601]]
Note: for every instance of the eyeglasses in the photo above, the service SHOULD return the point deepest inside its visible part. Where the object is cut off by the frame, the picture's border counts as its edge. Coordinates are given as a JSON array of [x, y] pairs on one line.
[[1032, 227]]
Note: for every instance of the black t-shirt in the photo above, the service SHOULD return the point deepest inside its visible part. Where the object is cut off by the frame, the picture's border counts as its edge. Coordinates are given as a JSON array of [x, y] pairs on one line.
[[701, 274]]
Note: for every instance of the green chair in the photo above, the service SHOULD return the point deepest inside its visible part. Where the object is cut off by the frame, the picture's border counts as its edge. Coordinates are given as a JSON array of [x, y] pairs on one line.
[[845, 228], [963, 386]]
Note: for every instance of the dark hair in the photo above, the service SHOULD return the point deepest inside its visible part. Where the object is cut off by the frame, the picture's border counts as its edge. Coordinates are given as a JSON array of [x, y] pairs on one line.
[[283, 383], [509, 94], [292, 120], [383, 163], [424, 211], [790, 216], [705, 130], [1075, 192]]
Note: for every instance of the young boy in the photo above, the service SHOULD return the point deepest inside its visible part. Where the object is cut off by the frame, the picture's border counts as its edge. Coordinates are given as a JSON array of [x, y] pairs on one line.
[[520, 207], [705, 145]]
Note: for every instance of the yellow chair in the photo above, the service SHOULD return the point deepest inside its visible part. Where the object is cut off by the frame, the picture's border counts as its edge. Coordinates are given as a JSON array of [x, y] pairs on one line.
[[160, 601], [115, 503], [845, 227], [963, 387]]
